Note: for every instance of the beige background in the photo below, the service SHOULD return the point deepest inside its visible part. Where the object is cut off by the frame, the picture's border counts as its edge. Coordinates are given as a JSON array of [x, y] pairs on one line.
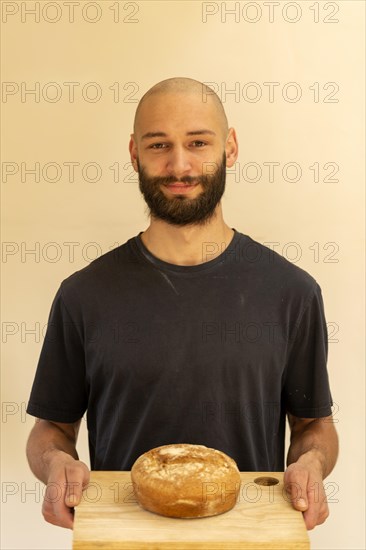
[[323, 218]]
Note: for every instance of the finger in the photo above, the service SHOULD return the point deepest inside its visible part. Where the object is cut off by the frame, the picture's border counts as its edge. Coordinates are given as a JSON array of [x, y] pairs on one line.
[[65, 519], [54, 508], [77, 477], [317, 511], [324, 514], [311, 514]]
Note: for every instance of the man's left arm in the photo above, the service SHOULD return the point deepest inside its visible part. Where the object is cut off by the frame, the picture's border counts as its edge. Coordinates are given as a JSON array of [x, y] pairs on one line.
[[311, 457]]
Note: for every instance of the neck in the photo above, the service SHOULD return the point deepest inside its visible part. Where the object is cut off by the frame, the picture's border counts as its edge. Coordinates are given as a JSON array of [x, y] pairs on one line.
[[188, 245]]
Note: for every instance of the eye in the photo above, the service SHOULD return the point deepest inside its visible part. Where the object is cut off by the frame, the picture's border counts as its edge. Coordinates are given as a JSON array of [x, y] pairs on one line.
[[153, 146], [197, 144]]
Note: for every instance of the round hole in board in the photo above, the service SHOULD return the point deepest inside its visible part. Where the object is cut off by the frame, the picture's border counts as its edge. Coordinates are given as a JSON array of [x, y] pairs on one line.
[[267, 481]]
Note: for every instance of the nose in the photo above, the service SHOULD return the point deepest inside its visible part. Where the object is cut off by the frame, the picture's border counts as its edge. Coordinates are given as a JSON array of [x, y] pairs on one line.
[[179, 163]]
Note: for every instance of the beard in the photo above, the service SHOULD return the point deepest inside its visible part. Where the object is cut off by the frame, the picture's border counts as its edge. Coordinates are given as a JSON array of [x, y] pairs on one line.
[[180, 209]]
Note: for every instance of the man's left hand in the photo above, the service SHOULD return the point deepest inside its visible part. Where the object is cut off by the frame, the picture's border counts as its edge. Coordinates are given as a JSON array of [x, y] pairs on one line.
[[304, 486]]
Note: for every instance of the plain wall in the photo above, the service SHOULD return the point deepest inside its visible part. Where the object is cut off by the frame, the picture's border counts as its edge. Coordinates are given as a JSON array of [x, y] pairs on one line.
[[316, 222]]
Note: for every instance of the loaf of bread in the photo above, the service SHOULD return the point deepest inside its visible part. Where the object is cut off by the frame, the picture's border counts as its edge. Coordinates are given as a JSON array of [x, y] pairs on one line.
[[186, 481]]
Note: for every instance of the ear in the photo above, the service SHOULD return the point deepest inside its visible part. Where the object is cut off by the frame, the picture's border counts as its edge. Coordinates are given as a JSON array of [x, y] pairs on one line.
[[133, 152], [231, 148]]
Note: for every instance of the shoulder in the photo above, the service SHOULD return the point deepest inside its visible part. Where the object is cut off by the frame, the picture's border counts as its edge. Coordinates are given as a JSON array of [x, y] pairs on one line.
[[100, 272], [272, 268]]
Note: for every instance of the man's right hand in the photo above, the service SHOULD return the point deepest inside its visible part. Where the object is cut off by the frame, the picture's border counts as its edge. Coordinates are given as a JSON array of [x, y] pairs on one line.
[[66, 481]]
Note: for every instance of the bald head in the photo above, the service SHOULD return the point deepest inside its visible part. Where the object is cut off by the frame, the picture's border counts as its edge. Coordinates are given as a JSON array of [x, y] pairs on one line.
[[186, 87]]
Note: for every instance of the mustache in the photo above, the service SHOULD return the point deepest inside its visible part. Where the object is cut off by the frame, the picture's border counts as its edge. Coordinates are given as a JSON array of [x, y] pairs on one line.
[[185, 179]]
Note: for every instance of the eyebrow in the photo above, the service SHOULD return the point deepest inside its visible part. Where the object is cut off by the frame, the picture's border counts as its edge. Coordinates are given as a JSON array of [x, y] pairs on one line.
[[150, 135]]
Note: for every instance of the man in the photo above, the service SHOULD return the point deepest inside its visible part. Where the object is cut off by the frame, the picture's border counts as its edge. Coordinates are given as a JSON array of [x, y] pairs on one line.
[[190, 332]]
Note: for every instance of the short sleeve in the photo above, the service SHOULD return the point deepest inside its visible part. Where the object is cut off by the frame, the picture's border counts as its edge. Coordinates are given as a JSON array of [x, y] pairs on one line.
[[306, 391], [59, 390]]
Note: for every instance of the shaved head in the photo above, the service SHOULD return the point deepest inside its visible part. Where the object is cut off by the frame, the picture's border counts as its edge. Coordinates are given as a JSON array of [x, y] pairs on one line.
[[180, 133], [187, 87]]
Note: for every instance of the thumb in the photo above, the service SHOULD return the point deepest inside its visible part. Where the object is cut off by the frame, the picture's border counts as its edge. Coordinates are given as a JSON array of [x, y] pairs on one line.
[[296, 487], [73, 494], [300, 504], [77, 477]]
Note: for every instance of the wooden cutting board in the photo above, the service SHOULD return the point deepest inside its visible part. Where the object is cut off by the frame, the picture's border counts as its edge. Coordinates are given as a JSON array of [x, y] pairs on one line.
[[110, 517]]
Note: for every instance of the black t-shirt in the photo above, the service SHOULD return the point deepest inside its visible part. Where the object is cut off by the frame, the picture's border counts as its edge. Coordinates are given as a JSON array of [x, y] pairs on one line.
[[212, 354]]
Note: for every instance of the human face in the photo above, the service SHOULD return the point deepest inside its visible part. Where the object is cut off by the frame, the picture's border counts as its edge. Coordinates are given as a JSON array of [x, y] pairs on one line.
[[179, 138], [168, 198]]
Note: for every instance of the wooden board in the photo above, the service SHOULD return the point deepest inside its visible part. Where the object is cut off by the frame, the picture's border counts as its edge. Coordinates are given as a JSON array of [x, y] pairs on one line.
[[110, 517]]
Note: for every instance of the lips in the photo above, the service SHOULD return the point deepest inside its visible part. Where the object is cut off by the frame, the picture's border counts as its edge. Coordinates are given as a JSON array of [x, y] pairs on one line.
[[181, 184], [180, 187]]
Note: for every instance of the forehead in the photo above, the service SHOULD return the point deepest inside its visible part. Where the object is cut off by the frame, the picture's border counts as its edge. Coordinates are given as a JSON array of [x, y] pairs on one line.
[[177, 111]]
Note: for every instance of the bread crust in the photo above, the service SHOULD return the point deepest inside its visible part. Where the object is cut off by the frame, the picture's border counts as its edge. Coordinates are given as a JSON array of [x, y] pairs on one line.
[[186, 481]]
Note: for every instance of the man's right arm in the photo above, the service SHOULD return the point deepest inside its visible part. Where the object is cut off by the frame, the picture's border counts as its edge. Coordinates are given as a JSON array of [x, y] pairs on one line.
[[52, 457]]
